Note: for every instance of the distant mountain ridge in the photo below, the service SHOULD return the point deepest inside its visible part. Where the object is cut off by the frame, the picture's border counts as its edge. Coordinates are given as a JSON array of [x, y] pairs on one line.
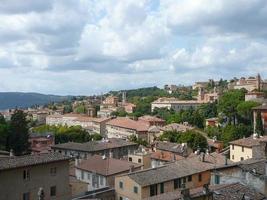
[[10, 100]]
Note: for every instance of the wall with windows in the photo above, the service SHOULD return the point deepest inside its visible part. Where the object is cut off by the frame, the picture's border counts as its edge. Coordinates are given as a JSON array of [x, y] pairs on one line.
[[126, 188], [24, 183], [238, 153]]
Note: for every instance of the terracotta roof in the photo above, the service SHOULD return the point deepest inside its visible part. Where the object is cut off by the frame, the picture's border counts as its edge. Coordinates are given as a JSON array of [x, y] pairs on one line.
[[107, 166], [149, 118], [176, 127], [29, 160], [165, 156], [125, 122], [249, 142], [93, 146]]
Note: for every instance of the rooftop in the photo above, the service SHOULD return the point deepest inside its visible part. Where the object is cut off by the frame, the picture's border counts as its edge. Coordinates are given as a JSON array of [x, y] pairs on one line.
[[149, 118], [232, 191], [176, 101], [93, 146], [249, 141], [125, 122], [30, 160], [179, 169], [107, 166], [171, 147]]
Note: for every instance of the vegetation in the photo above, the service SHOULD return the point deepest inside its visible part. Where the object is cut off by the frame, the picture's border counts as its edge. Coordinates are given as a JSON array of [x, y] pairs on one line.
[[259, 125], [3, 133], [139, 141], [65, 134], [193, 139], [18, 135]]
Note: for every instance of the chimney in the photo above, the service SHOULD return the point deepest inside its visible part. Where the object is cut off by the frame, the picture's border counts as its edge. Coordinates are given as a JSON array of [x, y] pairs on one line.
[[131, 168], [206, 189], [185, 194], [11, 153]]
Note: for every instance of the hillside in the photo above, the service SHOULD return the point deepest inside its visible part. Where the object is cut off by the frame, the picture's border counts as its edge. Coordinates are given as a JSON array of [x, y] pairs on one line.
[[22, 100]]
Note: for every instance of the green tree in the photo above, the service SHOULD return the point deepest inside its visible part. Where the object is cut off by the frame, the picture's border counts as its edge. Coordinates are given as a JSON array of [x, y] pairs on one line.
[[193, 139], [259, 124], [3, 133], [244, 109], [228, 103], [18, 133]]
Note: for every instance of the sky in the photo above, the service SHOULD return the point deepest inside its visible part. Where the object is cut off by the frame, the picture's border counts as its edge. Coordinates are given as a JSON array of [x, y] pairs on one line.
[[84, 47]]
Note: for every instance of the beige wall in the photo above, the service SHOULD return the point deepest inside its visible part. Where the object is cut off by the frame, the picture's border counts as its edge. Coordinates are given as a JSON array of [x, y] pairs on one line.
[[13, 186], [236, 153], [128, 188], [145, 160]]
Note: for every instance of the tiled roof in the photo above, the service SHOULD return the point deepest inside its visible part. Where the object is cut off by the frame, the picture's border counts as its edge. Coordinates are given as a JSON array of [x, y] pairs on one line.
[[165, 156], [125, 122], [151, 118], [176, 127], [234, 191], [93, 146], [107, 166], [249, 142], [171, 147], [29, 160]]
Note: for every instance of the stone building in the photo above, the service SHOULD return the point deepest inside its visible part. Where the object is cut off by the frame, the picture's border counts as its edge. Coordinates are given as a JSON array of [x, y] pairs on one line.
[[23, 177]]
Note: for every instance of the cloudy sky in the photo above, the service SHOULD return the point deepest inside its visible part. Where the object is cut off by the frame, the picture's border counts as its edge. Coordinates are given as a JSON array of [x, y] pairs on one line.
[[93, 46]]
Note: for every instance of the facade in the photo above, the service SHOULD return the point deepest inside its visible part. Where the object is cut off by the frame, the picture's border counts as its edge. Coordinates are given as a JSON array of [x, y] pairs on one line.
[[186, 173], [177, 105], [255, 96], [22, 177], [99, 171], [263, 112], [123, 127], [251, 173], [141, 157], [246, 148], [113, 147], [111, 101], [93, 125]]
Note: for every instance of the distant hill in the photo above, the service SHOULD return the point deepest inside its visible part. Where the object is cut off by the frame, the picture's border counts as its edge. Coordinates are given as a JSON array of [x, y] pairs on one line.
[[10, 100]]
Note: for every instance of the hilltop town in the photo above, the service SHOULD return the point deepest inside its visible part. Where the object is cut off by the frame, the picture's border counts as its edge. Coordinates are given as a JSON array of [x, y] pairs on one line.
[[200, 142]]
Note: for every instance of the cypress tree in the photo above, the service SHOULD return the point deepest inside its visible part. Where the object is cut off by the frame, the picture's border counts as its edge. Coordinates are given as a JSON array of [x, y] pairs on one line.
[[259, 125]]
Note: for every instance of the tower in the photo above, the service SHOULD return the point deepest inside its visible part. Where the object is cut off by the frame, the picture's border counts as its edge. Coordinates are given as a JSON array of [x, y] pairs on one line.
[[123, 97]]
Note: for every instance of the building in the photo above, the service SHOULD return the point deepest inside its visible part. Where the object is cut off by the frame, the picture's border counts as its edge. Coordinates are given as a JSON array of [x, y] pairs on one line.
[[91, 124], [251, 173], [262, 109], [23, 177], [164, 152], [113, 147], [4, 154], [175, 104], [207, 97], [186, 173], [246, 148], [141, 157], [152, 121], [214, 122], [111, 101], [250, 84], [255, 96], [123, 127], [41, 143], [100, 171], [128, 107]]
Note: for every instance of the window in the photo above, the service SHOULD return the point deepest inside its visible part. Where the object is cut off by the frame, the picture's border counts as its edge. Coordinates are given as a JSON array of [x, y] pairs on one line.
[[241, 158], [101, 180], [26, 174], [162, 188], [53, 171], [121, 185], [242, 149], [130, 159], [184, 180], [26, 196], [217, 179], [135, 189], [199, 177], [233, 157], [189, 178], [121, 198], [82, 174], [177, 183], [233, 147], [88, 176], [153, 190], [139, 160], [53, 191]]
